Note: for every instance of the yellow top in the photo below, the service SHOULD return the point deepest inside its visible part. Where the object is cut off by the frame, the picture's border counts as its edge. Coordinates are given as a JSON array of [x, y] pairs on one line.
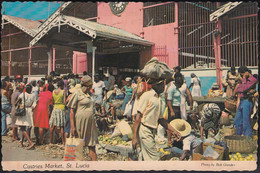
[[58, 100]]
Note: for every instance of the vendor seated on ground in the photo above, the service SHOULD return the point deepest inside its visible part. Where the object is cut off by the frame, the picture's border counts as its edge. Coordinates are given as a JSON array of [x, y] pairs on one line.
[[210, 116], [113, 101], [190, 142], [102, 120], [215, 91]]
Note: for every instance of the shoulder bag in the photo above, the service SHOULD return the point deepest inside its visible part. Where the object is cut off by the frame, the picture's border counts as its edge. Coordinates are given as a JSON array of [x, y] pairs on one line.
[[20, 111]]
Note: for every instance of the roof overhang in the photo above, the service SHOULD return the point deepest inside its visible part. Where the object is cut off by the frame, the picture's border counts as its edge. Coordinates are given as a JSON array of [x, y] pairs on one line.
[[18, 25], [224, 9], [91, 29]]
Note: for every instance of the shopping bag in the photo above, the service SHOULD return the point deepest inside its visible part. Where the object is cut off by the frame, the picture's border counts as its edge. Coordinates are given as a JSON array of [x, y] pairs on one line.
[[165, 115], [73, 149], [128, 109], [125, 129]]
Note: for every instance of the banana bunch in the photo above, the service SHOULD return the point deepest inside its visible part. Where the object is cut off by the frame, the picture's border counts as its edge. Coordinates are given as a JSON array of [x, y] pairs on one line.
[[238, 157], [161, 150], [114, 141]]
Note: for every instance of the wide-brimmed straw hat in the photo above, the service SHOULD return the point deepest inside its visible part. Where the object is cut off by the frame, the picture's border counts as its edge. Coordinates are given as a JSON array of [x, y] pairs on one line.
[[182, 126], [74, 89]]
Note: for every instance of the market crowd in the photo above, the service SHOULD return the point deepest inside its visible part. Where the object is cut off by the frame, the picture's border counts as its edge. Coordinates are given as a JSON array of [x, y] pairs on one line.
[[157, 102]]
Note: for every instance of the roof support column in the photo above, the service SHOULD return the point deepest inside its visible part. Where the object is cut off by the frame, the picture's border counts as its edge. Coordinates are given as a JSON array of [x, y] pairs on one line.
[[93, 62], [29, 64], [217, 51], [49, 53], [10, 63], [53, 59]]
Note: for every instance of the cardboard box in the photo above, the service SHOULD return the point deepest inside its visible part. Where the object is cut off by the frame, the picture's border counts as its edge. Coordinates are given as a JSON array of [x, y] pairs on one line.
[[198, 152]]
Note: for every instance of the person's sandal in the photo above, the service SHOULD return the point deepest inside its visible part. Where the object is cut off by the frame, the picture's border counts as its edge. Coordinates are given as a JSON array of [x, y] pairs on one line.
[[32, 147]]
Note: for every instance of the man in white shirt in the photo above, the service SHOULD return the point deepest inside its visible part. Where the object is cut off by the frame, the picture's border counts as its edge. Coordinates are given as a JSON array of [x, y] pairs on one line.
[[190, 142], [149, 114], [99, 90]]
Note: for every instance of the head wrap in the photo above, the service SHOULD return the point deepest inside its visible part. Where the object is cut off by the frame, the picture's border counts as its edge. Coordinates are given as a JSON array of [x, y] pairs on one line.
[[86, 80]]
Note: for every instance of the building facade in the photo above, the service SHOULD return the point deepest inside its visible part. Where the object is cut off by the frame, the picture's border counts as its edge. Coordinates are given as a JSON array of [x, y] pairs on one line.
[[181, 33]]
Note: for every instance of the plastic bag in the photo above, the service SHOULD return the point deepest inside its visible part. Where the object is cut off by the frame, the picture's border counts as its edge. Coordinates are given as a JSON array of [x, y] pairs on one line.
[[165, 114], [128, 109], [125, 129], [73, 149], [210, 152], [116, 132]]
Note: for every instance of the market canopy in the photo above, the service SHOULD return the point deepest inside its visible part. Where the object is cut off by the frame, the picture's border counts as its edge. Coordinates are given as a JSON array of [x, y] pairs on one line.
[[93, 31], [223, 10]]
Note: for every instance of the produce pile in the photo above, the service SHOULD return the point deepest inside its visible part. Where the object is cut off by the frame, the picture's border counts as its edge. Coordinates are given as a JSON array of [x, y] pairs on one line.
[[162, 151], [239, 157], [105, 139]]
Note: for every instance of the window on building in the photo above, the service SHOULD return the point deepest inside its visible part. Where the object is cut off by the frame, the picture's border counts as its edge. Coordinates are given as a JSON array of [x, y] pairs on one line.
[[158, 13]]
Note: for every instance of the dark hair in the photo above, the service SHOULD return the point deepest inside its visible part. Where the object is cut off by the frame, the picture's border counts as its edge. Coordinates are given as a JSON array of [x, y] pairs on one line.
[[232, 68], [255, 76], [250, 71], [60, 83], [50, 80], [28, 88], [85, 73], [135, 78], [178, 68], [3, 84], [178, 74], [41, 81], [50, 88], [77, 76], [242, 69]]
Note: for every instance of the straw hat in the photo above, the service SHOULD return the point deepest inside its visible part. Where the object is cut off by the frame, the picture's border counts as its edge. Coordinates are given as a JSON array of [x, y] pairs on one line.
[[182, 126], [74, 89]]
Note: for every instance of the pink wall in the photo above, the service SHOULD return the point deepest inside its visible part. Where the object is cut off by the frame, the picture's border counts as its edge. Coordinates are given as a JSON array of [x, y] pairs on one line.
[[164, 36], [79, 62], [130, 20]]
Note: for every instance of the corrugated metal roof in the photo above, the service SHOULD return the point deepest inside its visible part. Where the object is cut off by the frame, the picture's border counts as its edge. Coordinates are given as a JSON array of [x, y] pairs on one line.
[[108, 31], [26, 25]]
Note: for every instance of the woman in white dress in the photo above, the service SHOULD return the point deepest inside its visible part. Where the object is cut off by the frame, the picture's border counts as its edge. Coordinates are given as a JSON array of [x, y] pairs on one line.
[[27, 119], [196, 86], [185, 91]]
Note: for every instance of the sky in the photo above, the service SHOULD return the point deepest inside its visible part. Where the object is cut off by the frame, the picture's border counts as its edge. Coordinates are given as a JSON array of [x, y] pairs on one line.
[[30, 10]]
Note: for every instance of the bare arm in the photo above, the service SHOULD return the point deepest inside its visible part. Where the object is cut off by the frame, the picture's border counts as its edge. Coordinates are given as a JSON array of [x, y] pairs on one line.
[[169, 104], [190, 98], [191, 85], [167, 126], [135, 128], [72, 122], [133, 95]]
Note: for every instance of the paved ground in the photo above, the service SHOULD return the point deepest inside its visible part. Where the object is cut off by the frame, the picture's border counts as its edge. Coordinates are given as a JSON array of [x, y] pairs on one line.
[[11, 151]]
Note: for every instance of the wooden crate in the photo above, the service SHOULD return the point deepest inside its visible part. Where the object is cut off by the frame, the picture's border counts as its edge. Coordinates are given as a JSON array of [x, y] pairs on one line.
[[198, 152]]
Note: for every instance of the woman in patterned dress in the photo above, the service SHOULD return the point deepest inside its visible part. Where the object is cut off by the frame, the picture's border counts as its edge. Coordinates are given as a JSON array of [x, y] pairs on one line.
[[58, 114]]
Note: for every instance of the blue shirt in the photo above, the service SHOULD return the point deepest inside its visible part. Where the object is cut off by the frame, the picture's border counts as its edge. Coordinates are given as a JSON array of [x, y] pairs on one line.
[[174, 95]]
